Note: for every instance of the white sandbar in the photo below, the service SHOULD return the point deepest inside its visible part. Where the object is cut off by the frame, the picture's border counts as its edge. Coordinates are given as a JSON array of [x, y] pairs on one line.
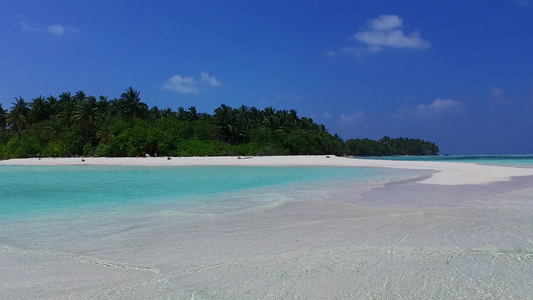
[[448, 173]]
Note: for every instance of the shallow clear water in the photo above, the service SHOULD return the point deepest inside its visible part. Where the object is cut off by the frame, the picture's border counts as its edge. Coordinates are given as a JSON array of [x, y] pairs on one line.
[[30, 190], [508, 160], [86, 232]]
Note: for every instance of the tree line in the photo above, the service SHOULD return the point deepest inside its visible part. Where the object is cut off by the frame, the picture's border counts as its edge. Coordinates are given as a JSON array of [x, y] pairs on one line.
[[83, 125], [388, 146]]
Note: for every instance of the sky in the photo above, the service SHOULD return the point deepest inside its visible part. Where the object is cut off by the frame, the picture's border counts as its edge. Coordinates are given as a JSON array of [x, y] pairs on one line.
[[458, 73]]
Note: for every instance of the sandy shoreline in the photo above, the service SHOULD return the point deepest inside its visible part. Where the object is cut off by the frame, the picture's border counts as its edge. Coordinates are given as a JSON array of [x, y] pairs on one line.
[[447, 173]]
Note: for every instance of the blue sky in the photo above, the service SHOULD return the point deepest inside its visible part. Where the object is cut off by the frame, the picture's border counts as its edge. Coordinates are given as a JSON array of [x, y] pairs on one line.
[[459, 73]]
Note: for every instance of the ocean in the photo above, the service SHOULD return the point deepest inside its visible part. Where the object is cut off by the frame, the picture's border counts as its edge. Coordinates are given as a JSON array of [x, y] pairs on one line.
[[519, 160], [37, 191]]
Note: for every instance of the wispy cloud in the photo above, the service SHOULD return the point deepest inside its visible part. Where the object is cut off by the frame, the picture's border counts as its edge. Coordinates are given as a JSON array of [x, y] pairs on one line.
[[55, 29], [524, 2], [498, 96], [433, 110], [210, 80], [386, 31], [438, 106], [345, 119], [189, 84], [27, 27]]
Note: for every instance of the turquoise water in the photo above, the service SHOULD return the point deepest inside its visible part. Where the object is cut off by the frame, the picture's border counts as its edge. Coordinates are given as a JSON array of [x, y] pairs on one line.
[[30, 190], [508, 160]]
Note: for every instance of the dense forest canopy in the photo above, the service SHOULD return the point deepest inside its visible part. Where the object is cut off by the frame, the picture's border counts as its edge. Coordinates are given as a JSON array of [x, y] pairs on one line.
[[83, 125]]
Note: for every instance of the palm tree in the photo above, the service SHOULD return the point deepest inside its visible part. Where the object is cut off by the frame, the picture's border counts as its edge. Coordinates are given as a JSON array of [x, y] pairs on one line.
[[269, 111], [21, 106], [193, 114], [168, 113], [225, 119], [154, 113], [17, 121], [85, 115], [52, 103], [18, 115], [181, 113], [54, 128], [3, 123], [3, 117], [256, 116], [130, 104], [104, 135], [103, 108], [40, 110], [293, 117], [64, 108], [80, 96], [308, 124]]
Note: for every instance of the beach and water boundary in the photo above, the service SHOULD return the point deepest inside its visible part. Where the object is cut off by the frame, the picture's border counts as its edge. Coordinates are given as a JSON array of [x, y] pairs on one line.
[[445, 230]]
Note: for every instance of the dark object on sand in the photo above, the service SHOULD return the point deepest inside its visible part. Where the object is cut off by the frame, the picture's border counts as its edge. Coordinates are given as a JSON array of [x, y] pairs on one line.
[[169, 158]]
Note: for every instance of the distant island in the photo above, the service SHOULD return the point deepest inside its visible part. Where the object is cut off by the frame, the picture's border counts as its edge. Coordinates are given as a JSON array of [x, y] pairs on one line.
[[82, 125]]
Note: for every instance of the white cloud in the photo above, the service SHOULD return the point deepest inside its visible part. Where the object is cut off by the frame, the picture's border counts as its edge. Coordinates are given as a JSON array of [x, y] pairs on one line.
[[433, 110], [211, 80], [386, 22], [183, 85], [386, 31], [326, 115], [350, 118], [438, 106], [56, 29], [377, 40], [189, 84]]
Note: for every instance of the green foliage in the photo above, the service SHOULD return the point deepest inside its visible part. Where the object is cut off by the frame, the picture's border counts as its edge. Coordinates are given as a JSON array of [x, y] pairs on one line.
[[20, 148], [74, 142], [203, 148], [388, 146], [54, 149], [141, 139], [80, 124], [4, 154]]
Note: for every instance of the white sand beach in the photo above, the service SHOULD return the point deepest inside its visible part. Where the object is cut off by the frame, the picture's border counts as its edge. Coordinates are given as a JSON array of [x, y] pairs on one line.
[[447, 173], [464, 231]]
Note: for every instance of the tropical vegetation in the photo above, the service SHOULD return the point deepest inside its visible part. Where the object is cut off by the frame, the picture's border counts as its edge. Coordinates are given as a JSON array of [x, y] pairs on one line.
[[83, 125]]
